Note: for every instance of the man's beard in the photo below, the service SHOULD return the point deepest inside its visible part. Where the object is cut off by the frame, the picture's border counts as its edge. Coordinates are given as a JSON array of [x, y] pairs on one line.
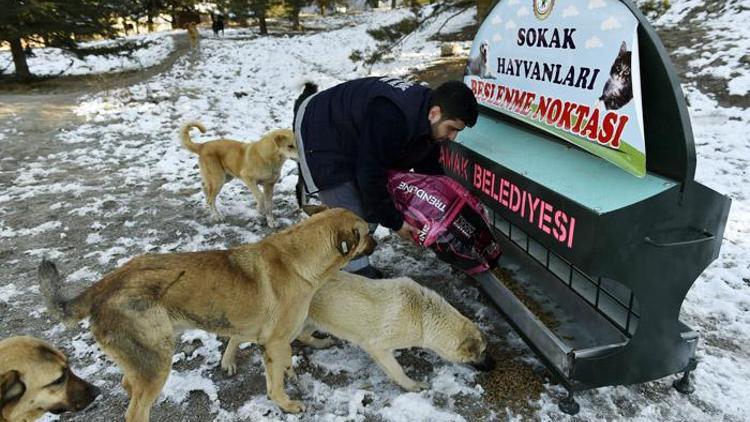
[[433, 131]]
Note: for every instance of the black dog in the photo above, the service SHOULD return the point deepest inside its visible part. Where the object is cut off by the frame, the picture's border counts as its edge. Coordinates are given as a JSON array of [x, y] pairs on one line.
[[618, 90], [218, 25], [310, 89], [27, 51]]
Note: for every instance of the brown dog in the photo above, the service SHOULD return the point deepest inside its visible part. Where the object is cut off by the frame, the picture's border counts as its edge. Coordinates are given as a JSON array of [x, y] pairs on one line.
[[259, 291], [35, 378], [193, 34], [257, 163]]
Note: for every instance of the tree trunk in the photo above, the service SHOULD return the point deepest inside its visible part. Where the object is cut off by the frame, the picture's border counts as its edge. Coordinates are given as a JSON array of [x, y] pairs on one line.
[[19, 60], [393, 4], [295, 19], [262, 23], [177, 22]]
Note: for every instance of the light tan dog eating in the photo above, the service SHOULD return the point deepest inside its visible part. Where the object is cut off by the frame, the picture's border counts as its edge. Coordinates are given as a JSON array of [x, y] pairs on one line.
[[35, 378], [259, 291], [255, 163], [385, 315]]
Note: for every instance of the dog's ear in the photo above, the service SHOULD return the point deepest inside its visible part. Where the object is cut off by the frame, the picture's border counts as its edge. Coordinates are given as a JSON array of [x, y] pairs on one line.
[[11, 387], [313, 209], [279, 139], [347, 241]]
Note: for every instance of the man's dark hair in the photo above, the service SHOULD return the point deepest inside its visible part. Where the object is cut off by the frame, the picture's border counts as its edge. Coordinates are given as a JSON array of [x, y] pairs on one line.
[[456, 101]]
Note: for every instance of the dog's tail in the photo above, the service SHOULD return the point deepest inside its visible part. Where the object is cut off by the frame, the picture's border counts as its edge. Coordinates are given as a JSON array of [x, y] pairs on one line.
[[67, 310], [310, 89], [185, 136]]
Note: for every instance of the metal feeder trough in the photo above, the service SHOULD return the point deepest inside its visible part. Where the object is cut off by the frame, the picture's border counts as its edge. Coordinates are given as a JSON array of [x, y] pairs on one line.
[[614, 292]]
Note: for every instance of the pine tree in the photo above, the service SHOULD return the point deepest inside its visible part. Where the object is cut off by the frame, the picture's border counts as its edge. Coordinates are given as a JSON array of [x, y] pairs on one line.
[[260, 7], [243, 9], [293, 8], [56, 22]]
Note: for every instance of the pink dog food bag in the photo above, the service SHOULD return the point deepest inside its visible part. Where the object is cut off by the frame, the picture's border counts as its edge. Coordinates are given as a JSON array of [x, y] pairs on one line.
[[450, 220]]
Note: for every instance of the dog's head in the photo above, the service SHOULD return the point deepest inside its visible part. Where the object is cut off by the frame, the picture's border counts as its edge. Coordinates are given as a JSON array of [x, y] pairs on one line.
[[350, 234], [285, 143], [35, 378], [463, 342], [483, 49], [474, 350]]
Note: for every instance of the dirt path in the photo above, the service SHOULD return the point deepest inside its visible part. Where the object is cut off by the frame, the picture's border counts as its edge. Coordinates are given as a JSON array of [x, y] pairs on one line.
[[41, 114], [41, 110]]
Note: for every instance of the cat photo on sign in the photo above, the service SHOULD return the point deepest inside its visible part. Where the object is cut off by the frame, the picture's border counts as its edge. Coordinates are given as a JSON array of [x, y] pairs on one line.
[[479, 64], [618, 90]]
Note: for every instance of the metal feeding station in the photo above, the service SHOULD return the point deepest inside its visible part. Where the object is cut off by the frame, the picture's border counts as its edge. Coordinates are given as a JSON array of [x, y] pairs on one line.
[[583, 155]]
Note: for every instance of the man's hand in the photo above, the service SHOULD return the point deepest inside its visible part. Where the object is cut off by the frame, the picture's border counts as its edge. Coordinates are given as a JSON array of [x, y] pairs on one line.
[[408, 232]]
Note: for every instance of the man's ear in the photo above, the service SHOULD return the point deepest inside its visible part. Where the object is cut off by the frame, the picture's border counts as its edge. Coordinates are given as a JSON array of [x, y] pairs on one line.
[[313, 209], [435, 114], [11, 387], [347, 241]]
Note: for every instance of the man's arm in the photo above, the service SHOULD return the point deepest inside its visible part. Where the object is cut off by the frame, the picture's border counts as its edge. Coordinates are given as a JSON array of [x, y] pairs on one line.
[[431, 163], [381, 141]]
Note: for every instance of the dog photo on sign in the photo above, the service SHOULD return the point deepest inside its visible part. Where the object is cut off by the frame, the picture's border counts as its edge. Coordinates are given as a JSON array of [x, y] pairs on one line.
[[618, 90], [479, 64]]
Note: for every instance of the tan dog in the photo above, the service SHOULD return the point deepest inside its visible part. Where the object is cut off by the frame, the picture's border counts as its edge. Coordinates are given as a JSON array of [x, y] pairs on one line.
[[257, 163], [35, 378], [385, 315], [259, 291], [193, 34]]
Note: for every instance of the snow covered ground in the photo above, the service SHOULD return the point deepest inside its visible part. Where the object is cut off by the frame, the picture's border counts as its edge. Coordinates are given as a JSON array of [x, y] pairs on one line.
[[119, 184], [717, 44]]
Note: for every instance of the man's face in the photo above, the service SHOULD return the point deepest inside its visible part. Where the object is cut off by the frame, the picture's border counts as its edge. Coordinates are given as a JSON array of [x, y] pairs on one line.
[[443, 129]]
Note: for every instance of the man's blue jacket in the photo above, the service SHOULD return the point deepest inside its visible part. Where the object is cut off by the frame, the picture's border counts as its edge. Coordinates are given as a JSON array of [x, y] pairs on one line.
[[359, 129]]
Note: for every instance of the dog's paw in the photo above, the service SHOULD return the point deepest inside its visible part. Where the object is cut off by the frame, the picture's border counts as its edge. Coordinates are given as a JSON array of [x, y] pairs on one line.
[[230, 367], [416, 386], [271, 222], [322, 343], [292, 406]]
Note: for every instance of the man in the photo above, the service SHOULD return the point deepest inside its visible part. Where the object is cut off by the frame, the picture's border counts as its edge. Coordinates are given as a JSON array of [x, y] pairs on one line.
[[350, 135]]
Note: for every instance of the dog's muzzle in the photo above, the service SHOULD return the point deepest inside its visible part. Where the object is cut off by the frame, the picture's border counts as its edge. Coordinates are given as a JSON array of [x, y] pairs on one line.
[[370, 246], [80, 395], [487, 364]]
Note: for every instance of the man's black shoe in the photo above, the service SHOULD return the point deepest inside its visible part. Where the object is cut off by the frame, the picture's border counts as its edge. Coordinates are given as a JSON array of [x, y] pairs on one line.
[[369, 272]]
